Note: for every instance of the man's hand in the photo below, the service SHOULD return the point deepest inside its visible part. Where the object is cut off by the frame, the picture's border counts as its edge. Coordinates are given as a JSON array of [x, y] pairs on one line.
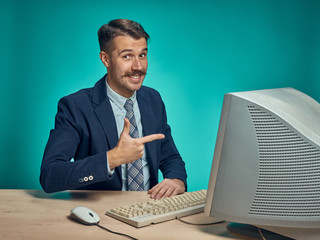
[[167, 188], [129, 149]]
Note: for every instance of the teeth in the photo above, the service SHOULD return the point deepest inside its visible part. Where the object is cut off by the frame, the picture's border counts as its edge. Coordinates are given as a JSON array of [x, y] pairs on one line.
[[135, 76]]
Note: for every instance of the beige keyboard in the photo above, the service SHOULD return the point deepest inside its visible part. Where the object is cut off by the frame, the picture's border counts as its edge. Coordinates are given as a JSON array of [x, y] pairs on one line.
[[154, 211]]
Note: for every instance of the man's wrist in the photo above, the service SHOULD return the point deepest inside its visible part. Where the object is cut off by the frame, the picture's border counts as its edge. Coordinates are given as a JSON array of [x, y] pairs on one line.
[[111, 157]]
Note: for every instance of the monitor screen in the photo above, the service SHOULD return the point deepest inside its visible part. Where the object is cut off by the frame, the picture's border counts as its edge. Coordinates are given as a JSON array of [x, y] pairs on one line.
[[266, 164]]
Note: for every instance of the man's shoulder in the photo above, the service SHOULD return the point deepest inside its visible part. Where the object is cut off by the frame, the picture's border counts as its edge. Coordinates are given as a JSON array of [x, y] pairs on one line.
[[82, 94], [149, 98], [98, 91]]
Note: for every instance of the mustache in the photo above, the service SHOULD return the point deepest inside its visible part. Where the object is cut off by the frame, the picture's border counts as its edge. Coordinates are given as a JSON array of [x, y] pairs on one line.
[[132, 73]]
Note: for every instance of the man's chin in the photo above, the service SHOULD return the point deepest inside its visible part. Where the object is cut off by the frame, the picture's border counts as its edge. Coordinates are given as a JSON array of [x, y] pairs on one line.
[[136, 86]]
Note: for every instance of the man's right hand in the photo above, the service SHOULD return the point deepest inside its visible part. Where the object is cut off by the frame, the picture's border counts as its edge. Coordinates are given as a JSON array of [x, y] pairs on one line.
[[129, 149]]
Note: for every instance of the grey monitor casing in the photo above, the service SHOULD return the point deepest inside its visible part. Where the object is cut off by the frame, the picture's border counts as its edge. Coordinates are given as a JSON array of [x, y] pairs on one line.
[[266, 165]]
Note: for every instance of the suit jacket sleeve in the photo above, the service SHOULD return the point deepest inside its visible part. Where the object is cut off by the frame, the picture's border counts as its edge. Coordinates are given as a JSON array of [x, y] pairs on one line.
[[171, 163], [57, 171]]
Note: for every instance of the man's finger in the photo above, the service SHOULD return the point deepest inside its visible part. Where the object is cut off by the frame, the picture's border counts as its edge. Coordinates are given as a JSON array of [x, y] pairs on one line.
[[151, 138], [154, 191], [126, 126]]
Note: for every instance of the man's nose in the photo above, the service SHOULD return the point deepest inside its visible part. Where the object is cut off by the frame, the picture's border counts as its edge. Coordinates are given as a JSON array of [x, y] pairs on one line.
[[136, 65]]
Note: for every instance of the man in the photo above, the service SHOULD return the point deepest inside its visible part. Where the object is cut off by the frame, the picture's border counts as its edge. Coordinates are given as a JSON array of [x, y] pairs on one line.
[[117, 131]]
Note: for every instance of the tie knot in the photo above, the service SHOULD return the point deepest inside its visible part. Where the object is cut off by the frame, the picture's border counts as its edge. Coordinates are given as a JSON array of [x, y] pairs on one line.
[[128, 105]]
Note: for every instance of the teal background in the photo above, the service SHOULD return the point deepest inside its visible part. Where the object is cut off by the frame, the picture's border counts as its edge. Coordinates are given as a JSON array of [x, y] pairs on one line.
[[199, 50]]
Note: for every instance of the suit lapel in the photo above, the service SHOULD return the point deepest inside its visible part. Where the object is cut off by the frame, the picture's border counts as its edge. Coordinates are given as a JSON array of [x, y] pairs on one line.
[[105, 114], [106, 117]]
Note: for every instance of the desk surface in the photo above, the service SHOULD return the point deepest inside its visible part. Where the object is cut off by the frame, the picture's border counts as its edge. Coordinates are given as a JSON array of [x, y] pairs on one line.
[[33, 214]]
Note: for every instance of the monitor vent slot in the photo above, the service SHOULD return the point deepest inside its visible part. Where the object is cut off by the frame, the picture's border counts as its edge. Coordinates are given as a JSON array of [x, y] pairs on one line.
[[289, 170]]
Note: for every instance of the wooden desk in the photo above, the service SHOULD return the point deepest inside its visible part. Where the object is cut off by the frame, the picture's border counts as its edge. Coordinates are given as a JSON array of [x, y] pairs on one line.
[[33, 214]]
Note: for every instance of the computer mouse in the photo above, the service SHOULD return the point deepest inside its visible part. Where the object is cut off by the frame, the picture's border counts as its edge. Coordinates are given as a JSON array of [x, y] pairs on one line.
[[84, 215]]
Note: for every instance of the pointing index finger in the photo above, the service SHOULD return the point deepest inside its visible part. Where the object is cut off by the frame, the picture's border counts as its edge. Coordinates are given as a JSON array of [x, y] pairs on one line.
[[151, 138]]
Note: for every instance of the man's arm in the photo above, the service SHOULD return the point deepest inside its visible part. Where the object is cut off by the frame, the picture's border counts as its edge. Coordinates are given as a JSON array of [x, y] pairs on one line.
[[58, 173]]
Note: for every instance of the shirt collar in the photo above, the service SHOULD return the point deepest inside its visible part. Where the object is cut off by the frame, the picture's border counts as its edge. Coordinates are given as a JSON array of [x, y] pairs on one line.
[[117, 99]]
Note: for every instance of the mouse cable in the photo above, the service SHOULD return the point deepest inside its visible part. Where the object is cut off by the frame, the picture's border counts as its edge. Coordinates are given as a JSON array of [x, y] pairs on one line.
[[122, 234], [263, 238], [199, 224]]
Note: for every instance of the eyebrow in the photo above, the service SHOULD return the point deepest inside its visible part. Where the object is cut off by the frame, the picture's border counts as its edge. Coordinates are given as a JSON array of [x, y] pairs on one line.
[[130, 50]]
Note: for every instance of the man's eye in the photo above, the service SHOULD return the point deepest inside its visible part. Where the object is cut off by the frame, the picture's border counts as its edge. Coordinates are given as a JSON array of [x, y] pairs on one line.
[[143, 55], [126, 56]]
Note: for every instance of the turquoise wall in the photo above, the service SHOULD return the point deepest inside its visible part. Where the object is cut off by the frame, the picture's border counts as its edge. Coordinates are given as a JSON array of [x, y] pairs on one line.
[[199, 50]]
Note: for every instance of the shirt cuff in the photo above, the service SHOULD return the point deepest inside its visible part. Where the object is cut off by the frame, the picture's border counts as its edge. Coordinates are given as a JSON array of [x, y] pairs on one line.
[[110, 172]]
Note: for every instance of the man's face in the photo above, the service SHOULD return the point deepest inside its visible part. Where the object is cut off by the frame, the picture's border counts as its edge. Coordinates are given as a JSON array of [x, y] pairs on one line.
[[127, 64]]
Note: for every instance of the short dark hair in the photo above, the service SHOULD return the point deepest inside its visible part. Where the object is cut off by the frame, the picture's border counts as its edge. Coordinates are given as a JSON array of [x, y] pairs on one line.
[[119, 27]]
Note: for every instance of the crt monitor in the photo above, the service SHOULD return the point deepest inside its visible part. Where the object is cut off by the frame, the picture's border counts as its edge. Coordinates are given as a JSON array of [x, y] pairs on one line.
[[266, 165]]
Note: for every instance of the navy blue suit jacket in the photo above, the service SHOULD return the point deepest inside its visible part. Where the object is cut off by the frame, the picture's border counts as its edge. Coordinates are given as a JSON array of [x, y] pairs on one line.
[[85, 129]]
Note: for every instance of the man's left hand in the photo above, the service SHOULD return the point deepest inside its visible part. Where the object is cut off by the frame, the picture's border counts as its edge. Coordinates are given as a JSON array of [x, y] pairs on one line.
[[167, 188]]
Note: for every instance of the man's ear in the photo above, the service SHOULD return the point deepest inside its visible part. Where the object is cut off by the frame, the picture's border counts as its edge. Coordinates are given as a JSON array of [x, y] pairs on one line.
[[105, 59]]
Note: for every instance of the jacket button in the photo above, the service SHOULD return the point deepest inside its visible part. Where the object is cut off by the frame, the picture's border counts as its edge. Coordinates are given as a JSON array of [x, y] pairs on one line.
[[85, 179], [80, 180], [90, 177]]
